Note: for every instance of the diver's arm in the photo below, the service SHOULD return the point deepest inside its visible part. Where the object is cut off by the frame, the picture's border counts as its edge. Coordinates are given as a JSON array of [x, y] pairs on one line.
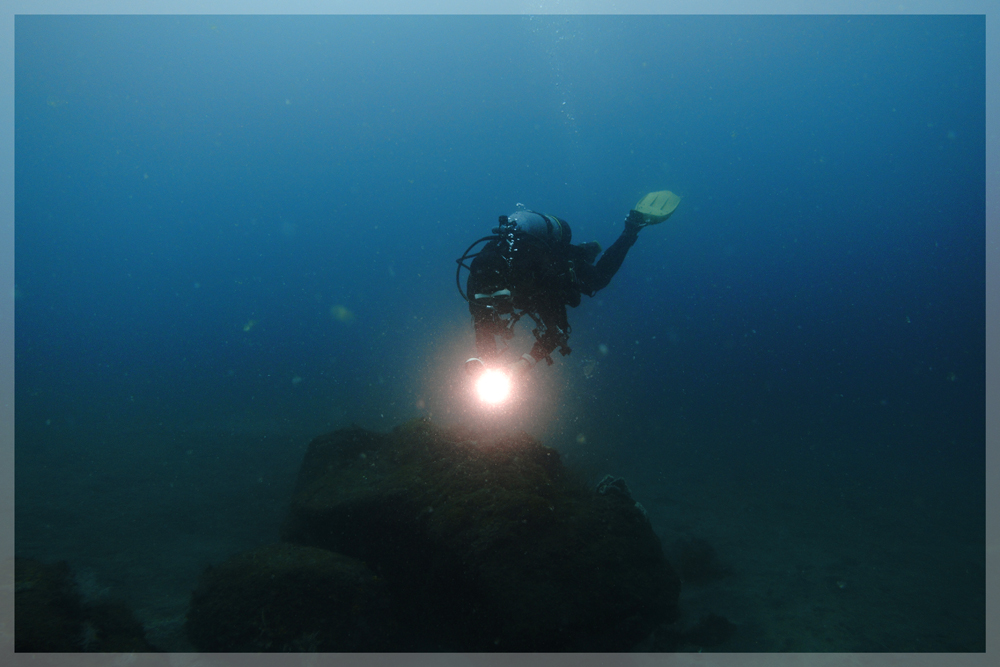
[[555, 336], [486, 344], [483, 276]]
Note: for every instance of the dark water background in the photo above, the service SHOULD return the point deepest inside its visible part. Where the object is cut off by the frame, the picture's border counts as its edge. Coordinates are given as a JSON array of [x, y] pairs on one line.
[[233, 234]]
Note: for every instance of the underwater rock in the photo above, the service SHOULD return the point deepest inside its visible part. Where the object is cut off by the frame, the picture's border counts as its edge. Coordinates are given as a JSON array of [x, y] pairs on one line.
[[485, 541], [612, 484], [111, 627], [286, 597], [47, 607], [51, 616]]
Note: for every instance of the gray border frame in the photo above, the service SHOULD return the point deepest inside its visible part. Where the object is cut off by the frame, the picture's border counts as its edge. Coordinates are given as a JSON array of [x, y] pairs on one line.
[[981, 7]]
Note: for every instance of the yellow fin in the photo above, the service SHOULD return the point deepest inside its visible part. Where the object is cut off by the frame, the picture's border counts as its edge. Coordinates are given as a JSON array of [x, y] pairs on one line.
[[657, 206]]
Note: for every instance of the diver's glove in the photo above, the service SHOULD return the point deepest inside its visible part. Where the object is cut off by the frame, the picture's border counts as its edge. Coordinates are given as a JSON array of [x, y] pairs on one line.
[[635, 221], [521, 366]]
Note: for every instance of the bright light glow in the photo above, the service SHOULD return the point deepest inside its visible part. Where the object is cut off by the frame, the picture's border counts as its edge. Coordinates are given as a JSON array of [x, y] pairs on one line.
[[493, 386]]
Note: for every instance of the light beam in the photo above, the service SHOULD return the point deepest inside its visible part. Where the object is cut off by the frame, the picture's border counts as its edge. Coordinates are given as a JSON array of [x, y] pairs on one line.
[[493, 386]]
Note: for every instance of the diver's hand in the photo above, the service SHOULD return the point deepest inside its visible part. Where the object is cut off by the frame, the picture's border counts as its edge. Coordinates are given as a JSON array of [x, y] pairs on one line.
[[521, 367], [474, 366]]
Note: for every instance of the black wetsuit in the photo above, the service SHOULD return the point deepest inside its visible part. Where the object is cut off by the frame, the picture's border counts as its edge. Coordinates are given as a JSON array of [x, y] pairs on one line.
[[542, 279]]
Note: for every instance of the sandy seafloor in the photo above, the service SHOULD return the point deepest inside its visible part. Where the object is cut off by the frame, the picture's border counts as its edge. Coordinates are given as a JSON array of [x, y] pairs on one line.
[[808, 562]]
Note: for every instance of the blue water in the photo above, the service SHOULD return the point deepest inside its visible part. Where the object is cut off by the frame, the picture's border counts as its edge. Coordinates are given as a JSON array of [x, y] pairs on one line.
[[234, 233]]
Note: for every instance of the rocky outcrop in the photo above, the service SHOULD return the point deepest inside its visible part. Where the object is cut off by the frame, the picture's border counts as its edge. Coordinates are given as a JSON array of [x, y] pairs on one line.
[[51, 615], [485, 541]]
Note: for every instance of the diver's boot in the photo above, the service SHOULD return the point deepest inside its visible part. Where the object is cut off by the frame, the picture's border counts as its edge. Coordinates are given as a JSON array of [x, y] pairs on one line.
[[635, 221]]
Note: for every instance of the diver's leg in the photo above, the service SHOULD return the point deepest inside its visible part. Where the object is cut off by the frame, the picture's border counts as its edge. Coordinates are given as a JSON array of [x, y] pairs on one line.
[[609, 263]]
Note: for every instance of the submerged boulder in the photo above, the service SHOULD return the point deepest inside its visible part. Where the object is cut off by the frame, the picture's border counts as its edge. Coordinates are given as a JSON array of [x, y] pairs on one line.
[[48, 608], [484, 539], [286, 597], [52, 616]]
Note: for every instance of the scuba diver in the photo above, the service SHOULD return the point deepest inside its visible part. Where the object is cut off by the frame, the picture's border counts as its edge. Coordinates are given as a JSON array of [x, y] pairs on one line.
[[530, 267]]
